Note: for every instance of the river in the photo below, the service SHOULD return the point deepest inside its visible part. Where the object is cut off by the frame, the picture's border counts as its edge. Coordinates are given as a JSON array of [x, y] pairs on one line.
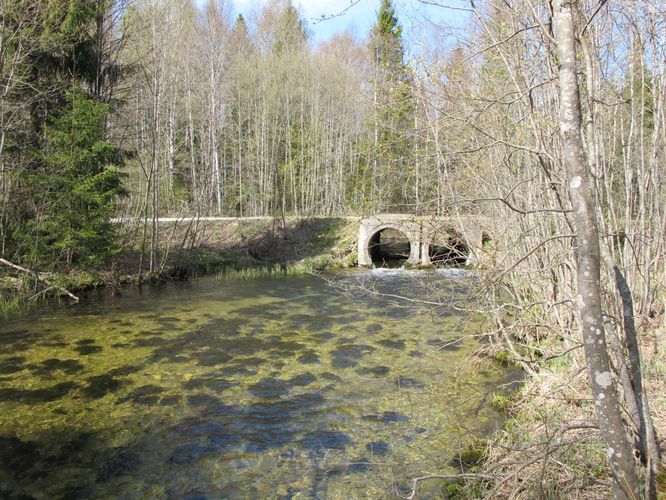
[[299, 387]]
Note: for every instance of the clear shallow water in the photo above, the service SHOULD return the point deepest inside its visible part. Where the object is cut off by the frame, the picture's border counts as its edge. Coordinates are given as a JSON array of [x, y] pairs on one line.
[[270, 388]]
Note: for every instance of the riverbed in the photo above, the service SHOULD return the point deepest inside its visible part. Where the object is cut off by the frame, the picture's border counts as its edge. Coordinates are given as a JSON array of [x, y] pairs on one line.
[[335, 386]]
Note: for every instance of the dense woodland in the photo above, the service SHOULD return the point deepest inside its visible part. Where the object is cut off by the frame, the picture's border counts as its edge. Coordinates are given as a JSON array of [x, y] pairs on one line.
[[202, 114], [245, 117], [145, 108]]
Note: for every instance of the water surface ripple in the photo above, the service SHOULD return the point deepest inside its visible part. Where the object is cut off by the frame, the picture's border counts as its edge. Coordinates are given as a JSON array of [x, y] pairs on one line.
[[269, 388]]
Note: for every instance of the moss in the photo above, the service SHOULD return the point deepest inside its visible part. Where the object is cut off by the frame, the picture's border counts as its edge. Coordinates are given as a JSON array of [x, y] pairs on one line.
[[459, 489], [454, 491], [661, 482], [503, 358]]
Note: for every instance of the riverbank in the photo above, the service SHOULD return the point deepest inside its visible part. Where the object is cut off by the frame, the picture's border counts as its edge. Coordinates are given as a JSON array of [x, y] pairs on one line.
[[550, 446], [189, 248]]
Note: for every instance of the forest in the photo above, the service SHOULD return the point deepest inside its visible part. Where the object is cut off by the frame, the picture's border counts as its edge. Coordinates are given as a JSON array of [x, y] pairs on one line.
[[139, 109]]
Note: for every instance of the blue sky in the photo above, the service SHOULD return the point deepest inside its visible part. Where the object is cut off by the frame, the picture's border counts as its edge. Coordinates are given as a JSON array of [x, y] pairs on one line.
[[416, 18]]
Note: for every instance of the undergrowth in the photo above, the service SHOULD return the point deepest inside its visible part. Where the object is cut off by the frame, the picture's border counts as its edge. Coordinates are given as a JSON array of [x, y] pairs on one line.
[[550, 447]]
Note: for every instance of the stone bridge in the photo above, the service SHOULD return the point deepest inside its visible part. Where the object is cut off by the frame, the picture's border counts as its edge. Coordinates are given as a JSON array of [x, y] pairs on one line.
[[429, 238]]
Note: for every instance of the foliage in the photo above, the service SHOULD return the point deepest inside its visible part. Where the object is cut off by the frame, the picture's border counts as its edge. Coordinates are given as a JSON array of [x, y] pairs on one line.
[[501, 403], [387, 44], [393, 111], [68, 52], [291, 32], [75, 187], [11, 303], [58, 181]]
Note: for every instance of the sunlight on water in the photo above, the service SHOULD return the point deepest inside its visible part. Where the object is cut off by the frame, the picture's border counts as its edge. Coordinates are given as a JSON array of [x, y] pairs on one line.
[[243, 389]]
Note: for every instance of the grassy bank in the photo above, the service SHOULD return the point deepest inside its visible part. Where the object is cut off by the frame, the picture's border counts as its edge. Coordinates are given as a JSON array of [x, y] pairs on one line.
[[550, 446], [239, 249], [250, 248]]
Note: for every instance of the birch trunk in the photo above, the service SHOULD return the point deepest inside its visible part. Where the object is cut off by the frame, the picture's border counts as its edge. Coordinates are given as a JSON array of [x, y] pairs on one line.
[[620, 454]]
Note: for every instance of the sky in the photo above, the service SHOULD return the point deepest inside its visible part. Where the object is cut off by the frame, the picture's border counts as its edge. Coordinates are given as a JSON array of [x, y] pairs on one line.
[[360, 16]]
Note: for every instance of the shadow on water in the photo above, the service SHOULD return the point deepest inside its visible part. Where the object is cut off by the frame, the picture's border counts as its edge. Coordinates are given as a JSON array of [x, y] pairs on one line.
[[52, 367], [42, 458], [36, 396], [12, 365], [18, 340]]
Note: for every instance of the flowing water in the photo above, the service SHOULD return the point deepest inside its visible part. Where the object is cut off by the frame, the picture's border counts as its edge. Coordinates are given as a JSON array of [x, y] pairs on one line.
[[266, 388]]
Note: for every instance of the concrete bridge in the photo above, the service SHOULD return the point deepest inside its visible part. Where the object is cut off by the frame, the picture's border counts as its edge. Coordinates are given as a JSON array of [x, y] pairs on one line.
[[431, 239]]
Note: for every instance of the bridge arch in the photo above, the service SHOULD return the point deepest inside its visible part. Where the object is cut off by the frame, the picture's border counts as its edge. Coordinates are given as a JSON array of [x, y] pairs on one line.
[[372, 226], [373, 241], [445, 245]]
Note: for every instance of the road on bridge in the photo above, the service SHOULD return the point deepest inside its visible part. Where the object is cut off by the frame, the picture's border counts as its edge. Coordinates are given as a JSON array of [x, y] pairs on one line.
[[118, 220]]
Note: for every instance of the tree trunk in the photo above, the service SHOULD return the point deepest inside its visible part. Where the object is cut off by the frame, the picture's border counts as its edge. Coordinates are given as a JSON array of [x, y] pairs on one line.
[[620, 454]]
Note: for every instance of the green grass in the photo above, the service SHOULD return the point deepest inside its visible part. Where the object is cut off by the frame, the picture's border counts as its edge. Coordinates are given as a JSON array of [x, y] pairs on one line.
[[16, 302], [251, 273], [12, 303], [330, 246], [501, 403], [193, 263], [306, 266]]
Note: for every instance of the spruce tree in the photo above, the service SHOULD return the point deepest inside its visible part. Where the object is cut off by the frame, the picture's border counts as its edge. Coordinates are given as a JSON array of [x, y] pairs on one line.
[[65, 195], [76, 186], [240, 38], [291, 33], [393, 111], [387, 45]]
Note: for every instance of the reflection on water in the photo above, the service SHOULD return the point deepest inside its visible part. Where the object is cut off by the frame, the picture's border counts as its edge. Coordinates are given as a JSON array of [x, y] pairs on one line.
[[243, 389]]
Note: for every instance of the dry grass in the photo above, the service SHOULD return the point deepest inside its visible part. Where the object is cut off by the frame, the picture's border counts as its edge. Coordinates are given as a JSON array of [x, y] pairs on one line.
[[536, 454], [550, 447], [251, 242]]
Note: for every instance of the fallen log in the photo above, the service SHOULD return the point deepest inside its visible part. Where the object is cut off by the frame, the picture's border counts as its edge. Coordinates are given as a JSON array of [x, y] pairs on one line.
[[39, 278]]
